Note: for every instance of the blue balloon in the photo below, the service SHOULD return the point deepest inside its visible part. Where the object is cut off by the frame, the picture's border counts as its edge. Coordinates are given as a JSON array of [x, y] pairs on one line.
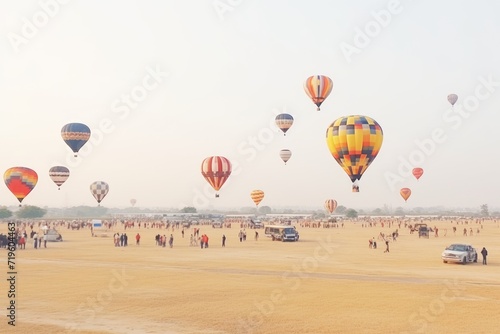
[[75, 135]]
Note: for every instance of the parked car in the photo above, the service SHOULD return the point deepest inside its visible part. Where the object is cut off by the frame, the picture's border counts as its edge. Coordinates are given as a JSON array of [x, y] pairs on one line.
[[53, 235], [460, 253]]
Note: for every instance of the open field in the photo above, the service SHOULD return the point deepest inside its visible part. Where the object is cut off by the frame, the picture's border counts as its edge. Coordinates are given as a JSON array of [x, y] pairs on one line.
[[328, 282]]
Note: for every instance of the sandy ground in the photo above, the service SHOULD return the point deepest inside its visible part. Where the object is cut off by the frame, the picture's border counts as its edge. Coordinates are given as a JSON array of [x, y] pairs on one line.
[[328, 282]]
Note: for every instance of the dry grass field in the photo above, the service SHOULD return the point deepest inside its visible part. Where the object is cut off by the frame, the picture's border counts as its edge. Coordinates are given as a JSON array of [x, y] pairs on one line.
[[328, 282]]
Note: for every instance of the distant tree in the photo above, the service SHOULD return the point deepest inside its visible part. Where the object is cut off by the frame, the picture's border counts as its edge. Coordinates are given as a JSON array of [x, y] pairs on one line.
[[377, 211], [5, 213], [341, 209], [30, 211], [188, 209], [265, 210], [399, 211], [351, 213], [484, 210], [248, 209]]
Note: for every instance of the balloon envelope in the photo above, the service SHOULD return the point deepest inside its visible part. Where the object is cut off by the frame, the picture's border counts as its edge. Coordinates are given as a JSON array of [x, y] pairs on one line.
[[330, 205], [59, 174], [216, 171], [318, 87], [405, 193], [75, 135], [20, 181], [285, 155], [99, 190], [417, 172], [257, 196], [452, 98], [354, 141], [133, 201], [284, 122]]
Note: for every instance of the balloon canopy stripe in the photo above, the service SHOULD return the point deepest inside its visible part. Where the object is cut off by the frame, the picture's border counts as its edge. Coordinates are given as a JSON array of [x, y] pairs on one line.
[[216, 171]]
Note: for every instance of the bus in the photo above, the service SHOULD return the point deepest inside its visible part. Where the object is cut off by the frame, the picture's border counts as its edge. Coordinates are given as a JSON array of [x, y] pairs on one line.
[[281, 233]]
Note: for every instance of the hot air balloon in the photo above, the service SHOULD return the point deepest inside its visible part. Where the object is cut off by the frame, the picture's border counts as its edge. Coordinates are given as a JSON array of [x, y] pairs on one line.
[[354, 141], [99, 190], [330, 205], [75, 135], [405, 193], [285, 155], [257, 196], [59, 174], [417, 172], [216, 171], [20, 181], [452, 98], [133, 201], [284, 122], [318, 87]]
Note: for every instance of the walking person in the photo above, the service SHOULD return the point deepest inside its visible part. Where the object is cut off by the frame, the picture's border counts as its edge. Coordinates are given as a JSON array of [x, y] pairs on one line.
[[223, 240], [171, 241], [386, 246], [137, 239], [484, 253]]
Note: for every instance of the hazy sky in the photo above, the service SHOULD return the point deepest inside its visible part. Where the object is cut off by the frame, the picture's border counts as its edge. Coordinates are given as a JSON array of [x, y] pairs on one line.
[[165, 84]]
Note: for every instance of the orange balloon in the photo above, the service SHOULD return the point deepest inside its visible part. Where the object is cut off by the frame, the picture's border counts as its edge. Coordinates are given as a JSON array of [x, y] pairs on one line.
[[405, 193], [257, 196], [417, 172]]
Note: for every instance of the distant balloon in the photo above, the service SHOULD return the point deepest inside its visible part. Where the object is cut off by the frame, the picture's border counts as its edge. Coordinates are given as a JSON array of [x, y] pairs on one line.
[[133, 201], [75, 135], [417, 172], [354, 141], [285, 155], [99, 190], [20, 181], [330, 205], [216, 171], [257, 196], [59, 174], [284, 122], [318, 87], [405, 193], [452, 98]]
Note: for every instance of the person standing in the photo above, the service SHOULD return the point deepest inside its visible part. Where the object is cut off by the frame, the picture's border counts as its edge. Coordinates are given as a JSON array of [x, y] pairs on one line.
[[223, 240], [484, 253], [137, 239], [171, 241], [45, 240], [35, 240]]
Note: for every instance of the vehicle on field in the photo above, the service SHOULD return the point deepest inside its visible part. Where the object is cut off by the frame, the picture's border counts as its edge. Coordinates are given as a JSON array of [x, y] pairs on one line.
[[53, 235], [255, 223], [423, 231], [281, 232], [459, 253]]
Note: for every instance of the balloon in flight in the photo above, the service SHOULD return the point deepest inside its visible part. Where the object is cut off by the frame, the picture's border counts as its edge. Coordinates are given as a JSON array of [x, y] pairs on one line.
[[59, 174], [417, 172], [354, 142], [330, 205], [405, 193], [20, 181], [257, 196], [99, 190], [133, 201], [216, 171], [318, 87], [285, 155], [452, 98], [75, 135], [284, 122]]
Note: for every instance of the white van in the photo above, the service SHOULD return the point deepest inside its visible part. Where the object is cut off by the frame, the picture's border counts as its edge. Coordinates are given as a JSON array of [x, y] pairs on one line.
[[281, 232]]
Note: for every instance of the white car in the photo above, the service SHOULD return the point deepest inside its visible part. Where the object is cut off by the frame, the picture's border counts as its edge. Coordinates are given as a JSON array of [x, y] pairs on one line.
[[459, 253]]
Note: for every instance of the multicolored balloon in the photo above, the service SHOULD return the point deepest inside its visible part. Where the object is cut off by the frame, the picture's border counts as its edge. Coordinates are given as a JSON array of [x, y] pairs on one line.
[[318, 87], [330, 205], [75, 135], [216, 171], [59, 174], [405, 193], [257, 196], [99, 190], [452, 98], [417, 172], [285, 155], [284, 122], [20, 181], [354, 141]]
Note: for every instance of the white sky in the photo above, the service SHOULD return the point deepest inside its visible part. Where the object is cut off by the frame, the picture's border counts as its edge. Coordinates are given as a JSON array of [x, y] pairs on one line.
[[229, 74]]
